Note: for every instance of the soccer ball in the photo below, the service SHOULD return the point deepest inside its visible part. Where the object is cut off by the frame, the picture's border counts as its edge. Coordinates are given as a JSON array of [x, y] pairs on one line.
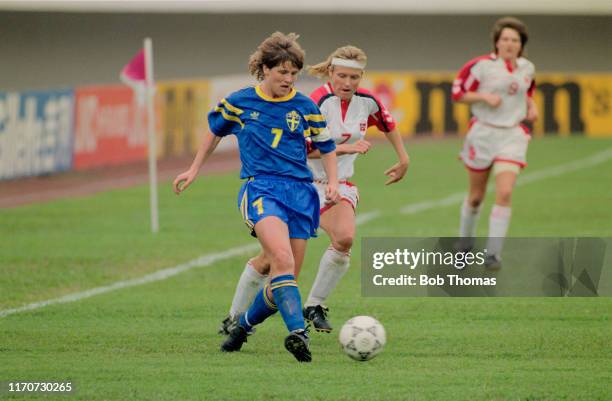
[[362, 338]]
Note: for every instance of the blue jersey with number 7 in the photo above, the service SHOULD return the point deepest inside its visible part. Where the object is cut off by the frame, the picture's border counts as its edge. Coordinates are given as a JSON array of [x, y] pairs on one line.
[[271, 132]]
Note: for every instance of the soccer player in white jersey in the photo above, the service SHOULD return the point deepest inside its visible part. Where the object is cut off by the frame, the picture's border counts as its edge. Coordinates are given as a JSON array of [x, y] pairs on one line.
[[499, 89], [349, 110]]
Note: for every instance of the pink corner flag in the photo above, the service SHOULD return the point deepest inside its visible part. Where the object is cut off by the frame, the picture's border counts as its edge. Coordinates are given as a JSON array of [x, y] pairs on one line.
[[134, 71]]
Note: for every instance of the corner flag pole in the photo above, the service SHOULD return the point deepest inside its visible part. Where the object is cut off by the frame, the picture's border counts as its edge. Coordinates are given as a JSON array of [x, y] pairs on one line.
[[150, 97]]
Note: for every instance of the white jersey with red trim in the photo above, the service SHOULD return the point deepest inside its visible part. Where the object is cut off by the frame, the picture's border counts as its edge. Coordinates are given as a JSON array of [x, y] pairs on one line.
[[492, 74], [347, 122]]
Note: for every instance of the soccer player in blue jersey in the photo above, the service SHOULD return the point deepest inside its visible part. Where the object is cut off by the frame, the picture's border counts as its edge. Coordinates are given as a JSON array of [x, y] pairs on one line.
[[348, 110], [278, 201]]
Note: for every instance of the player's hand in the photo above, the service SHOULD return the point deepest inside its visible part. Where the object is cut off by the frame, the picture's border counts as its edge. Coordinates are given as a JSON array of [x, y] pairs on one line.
[[361, 146], [183, 180], [396, 172], [492, 99], [532, 114], [331, 193]]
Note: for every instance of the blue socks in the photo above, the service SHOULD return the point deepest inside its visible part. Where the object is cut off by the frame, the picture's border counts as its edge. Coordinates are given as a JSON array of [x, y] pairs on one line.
[[261, 309], [286, 299]]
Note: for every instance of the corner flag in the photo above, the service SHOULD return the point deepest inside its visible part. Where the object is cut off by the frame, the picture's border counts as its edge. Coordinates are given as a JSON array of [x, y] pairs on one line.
[[134, 72], [138, 74]]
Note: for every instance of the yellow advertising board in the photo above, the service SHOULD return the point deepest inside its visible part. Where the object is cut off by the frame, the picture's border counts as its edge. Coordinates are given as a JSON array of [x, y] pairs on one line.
[[183, 106], [569, 104]]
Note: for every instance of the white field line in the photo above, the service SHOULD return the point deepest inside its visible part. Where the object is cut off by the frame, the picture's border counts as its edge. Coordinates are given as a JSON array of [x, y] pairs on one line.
[[524, 179], [159, 275], [363, 218]]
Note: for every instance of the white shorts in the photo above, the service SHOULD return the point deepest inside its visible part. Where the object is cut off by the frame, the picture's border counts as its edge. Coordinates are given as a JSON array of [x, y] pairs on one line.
[[485, 144], [347, 190]]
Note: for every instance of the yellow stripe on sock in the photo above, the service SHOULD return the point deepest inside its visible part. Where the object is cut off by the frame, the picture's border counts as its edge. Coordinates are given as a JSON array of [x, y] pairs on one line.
[[268, 301], [276, 283], [285, 283]]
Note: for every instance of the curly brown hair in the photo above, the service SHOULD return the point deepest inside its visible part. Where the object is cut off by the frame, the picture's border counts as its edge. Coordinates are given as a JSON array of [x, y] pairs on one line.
[[276, 50]]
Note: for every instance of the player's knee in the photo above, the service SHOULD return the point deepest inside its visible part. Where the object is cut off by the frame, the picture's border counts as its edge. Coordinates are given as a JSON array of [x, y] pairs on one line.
[[281, 260], [343, 242], [504, 196]]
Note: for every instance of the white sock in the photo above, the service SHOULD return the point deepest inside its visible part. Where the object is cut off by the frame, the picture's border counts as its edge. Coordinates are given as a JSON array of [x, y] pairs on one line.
[[250, 282], [498, 227], [469, 219], [332, 267]]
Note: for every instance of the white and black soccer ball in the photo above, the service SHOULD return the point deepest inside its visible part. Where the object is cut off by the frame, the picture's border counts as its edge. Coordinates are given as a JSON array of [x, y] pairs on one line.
[[362, 338]]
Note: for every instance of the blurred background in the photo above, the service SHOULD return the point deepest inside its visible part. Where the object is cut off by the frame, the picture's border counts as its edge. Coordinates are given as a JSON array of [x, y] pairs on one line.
[[62, 107]]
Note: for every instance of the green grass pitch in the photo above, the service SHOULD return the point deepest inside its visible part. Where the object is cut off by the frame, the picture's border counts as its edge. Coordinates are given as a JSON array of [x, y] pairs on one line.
[[158, 341]]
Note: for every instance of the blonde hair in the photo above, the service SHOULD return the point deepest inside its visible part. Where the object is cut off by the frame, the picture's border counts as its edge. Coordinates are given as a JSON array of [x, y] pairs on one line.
[[275, 50], [349, 52]]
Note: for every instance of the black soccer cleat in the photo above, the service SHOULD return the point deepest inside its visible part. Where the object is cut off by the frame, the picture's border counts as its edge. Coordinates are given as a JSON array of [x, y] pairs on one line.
[[297, 343], [235, 339], [492, 262], [317, 316], [464, 244], [226, 326], [229, 323]]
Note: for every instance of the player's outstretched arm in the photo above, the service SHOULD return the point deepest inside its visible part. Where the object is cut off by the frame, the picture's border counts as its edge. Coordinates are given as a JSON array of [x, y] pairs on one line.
[[398, 170], [183, 180], [361, 146]]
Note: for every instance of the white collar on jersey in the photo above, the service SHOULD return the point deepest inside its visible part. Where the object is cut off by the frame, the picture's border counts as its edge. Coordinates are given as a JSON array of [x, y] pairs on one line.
[[520, 61], [347, 63]]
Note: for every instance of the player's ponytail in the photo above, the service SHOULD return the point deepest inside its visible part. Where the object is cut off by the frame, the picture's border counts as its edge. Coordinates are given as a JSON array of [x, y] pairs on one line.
[[349, 52], [275, 50]]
